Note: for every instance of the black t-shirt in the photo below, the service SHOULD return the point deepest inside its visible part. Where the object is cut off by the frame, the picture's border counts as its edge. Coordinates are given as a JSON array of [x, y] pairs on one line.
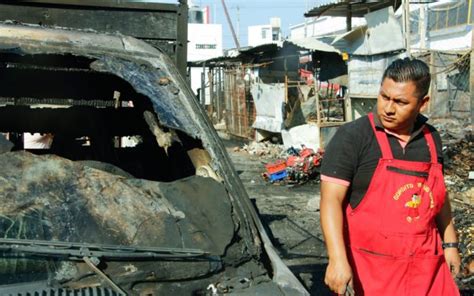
[[353, 153]]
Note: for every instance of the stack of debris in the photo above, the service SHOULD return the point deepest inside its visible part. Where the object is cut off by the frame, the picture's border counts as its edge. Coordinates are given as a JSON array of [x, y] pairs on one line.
[[300, 166], [459, 163], [465, 228], [263, 149]]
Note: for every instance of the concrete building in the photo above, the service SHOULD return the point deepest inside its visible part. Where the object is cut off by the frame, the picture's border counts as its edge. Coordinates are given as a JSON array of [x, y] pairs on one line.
[[204, 42], [443, 25], [435, 25], [265, 34]]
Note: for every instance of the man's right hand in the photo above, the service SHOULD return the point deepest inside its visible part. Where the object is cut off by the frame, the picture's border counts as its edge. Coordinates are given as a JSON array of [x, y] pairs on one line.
[[338, 272], [338, 276]]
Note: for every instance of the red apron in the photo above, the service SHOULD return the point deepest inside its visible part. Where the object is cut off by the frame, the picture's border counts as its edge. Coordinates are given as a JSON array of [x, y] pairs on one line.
[[393, 244]]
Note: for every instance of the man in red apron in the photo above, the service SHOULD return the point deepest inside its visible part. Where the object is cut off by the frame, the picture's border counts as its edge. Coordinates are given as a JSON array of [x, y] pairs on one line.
[[384, 212]]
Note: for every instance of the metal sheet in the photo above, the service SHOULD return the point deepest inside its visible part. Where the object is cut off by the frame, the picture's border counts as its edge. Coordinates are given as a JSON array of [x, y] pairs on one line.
[[118, 4], [160, 24], [269, 101], [362, 106], [306, 134], [372, 38], [239, 110], [365, 73], [313, 43], [135, 23]]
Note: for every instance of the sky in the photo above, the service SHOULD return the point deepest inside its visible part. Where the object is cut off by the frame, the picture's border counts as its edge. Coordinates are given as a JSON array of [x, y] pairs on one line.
[[246, 13]]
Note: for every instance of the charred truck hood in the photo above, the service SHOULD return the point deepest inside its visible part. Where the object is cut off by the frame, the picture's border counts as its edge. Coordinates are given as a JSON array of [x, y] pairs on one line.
[[242, 262]]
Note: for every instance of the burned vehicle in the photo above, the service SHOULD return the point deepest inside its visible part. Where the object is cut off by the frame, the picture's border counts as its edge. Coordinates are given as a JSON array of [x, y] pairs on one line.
[[131, 191]]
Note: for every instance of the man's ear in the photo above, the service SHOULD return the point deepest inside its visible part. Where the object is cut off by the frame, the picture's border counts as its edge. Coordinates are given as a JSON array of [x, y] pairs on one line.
[[424, 103]]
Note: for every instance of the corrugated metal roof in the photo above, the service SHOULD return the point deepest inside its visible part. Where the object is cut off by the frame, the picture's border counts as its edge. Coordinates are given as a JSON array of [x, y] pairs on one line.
[[313, 43], [327, 2], [359, 8]]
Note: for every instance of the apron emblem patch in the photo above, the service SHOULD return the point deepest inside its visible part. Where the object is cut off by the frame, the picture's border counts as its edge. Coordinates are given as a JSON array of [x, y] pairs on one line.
[[415, 201], [412, 206]]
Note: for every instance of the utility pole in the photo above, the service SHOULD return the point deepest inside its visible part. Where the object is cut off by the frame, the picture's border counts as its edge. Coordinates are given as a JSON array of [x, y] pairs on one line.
[[214, 14], [238, 24], [231, 26], [406, 24], [471, 79], [422, 27]]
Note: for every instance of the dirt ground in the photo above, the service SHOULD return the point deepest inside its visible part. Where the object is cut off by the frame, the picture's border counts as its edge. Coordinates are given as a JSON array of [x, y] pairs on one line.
[[291, 216]]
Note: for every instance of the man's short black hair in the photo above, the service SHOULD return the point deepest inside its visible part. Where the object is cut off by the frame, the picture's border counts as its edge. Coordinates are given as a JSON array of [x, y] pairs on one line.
[[407, 69]]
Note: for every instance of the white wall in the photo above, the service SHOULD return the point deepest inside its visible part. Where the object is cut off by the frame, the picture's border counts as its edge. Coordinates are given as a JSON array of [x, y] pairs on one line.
[[450, 40], [205, 41], [321, 26], [255, 35]]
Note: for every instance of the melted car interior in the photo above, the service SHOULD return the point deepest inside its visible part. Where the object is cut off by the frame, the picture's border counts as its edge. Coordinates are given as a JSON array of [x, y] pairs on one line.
[[88, 115]]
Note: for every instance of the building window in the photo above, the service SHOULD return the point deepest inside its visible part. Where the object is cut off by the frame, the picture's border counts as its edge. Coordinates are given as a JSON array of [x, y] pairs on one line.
[[275, 34], [206, 46], [264, 33], [448, 15]]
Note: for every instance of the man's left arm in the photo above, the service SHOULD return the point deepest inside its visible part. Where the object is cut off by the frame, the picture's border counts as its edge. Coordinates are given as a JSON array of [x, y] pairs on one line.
[[447, 231]]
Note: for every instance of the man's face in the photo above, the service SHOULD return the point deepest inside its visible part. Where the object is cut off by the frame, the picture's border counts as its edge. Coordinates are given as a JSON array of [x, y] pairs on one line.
[[398, 105]]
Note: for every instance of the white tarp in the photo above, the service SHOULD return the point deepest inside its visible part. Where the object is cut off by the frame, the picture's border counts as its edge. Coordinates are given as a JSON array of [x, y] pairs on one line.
[[306, 134], [382, 34], [269, 102]]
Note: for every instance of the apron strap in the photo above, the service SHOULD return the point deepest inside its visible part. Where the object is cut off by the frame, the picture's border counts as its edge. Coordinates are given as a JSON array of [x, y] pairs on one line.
[[431, 144], [381, 139]]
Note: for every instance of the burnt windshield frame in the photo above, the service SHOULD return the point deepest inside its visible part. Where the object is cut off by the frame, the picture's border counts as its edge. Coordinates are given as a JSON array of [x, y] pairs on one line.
[[79, 250]]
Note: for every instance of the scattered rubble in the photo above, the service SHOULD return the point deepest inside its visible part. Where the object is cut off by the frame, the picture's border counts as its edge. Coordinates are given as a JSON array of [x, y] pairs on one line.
[[451, 130], [263, 149], [465, 228], [459, 163]]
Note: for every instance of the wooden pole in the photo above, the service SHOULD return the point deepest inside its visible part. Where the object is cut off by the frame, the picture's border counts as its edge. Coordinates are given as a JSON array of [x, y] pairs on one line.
[[471, 89], [349, 18]]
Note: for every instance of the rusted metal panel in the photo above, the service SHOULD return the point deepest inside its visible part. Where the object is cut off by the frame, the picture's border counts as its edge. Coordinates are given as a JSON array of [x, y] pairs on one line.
[[136, 23], [451, 78], [365, 73], [239, 110], [159, 24]]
